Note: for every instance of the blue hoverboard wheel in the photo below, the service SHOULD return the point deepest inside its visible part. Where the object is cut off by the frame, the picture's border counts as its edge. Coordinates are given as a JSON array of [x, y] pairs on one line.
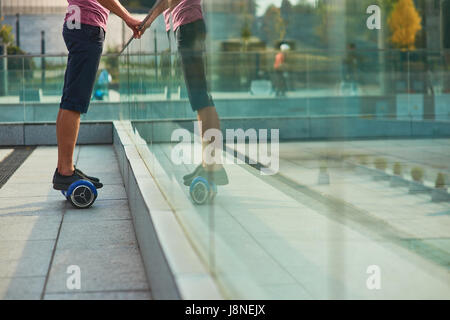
[[81, 194], [202, 191]]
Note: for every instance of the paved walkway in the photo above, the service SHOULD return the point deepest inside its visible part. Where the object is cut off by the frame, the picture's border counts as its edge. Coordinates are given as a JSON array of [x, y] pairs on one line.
[[41, 234]]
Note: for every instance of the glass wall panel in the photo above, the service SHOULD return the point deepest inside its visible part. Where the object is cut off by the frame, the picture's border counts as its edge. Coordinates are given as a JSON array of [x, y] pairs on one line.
[[334, 120]]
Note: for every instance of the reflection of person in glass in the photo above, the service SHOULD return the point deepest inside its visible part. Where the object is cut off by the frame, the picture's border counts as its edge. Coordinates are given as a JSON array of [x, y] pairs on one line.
[[104, 79], [350, 69], [190, 33], [280, 71]]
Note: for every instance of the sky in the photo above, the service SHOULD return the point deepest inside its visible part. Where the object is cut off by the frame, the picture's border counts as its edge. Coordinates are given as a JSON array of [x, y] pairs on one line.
[[263, 4]]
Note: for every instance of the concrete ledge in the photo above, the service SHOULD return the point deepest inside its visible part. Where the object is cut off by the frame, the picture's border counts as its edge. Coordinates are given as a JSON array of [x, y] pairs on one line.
[[20, 134], [11, 135], [173, 268], [293, 128], [309, 128]]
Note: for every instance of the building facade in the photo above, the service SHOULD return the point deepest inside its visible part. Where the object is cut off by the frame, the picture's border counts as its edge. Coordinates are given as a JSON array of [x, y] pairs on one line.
[[12, 7]]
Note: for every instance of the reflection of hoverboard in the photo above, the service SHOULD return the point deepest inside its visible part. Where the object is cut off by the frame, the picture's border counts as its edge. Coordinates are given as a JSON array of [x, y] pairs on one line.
[[81, 194], [202, 190]]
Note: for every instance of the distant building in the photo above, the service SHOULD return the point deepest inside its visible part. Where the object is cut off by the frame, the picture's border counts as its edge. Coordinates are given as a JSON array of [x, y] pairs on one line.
[[48, 15], [11, 7]]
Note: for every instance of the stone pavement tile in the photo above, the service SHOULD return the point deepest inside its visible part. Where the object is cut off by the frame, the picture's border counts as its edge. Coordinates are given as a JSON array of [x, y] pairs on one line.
[[33, 206], [316, 282], [343, 273], [40, 164], [302, 226], [115, 269], [15, 249], [114, 295], [25, 267], [29, 228], [104, 234], [36, 166], [10, 190], [287, 292], [21, 288], [31, 177], [101, 165], [25, 258], [264, 268], [288, 252], [112, 192], [97, 151], [106, 178], [48, 152], [101, 210]]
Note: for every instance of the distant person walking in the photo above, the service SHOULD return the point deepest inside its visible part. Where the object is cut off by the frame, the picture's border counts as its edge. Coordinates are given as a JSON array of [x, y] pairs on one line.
[[84, 34], [350, 70], [280, 71], [104, 79], [190, 34]]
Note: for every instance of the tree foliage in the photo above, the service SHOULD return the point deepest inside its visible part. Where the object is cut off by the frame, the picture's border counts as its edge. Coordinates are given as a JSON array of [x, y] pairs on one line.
[[6, 36], [138, 3], [273, 25], [405, 23]]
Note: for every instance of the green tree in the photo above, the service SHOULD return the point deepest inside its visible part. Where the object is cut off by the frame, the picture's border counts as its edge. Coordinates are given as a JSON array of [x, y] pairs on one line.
[[6, 35], [247, 17], [324, 10], [286, 10], [138, 3], [273, 25]]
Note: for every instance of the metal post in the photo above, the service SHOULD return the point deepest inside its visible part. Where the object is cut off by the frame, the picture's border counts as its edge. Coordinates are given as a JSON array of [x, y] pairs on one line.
[[382, 57], [156, 58], [123, 33], [4, 62], [43, 66], [2, 57], [4, 70], [169, 84], [18, 30]]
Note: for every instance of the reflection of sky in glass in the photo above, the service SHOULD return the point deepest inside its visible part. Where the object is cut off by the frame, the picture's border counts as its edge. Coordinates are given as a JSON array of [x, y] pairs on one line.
[[263, 4]]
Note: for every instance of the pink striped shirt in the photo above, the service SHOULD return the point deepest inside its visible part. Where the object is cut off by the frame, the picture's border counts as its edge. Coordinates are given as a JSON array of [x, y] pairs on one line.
[[91, 12], [185, 12]]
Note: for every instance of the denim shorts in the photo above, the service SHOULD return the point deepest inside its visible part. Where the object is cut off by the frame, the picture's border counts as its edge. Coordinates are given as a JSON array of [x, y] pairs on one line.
[[85, 47], [191, 46]]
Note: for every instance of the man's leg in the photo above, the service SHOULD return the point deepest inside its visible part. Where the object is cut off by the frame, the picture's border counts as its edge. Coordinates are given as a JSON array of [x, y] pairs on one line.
[[67, 127], [209, 119]]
